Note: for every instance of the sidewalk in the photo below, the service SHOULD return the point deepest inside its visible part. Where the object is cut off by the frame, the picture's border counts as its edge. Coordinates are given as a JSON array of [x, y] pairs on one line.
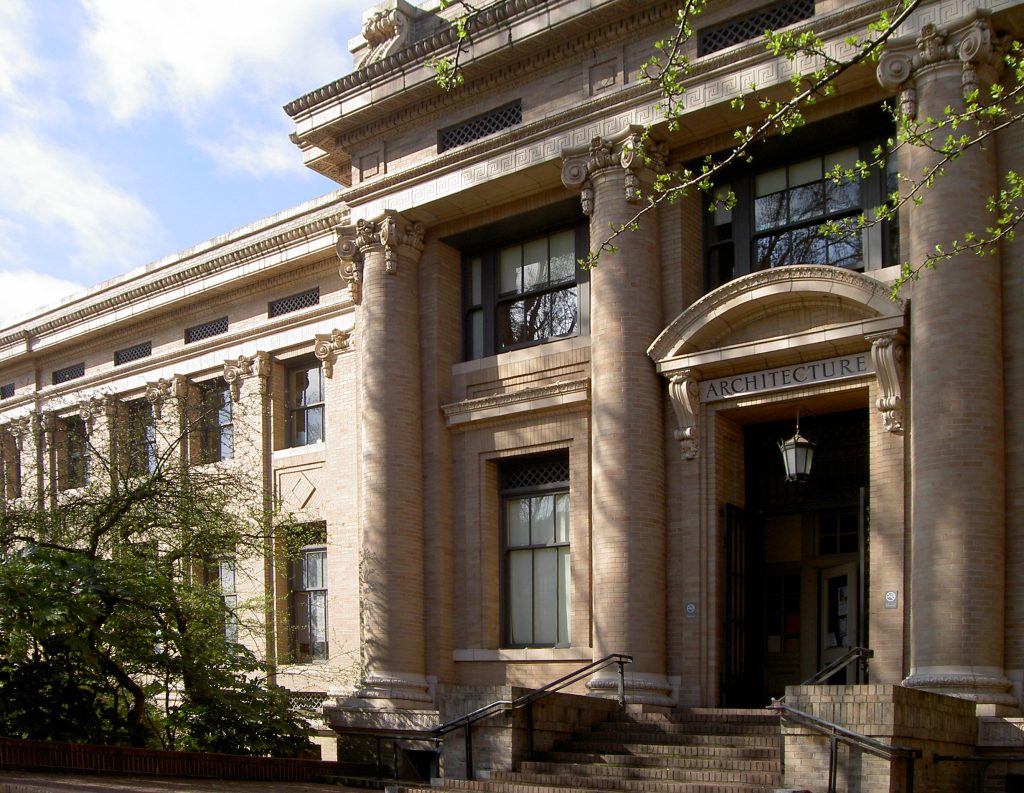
[[35, 782]]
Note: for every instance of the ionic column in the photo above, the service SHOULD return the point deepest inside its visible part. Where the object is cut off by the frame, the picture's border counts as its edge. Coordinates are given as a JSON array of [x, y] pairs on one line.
[[627, 462], [380, 262], [956, 420]]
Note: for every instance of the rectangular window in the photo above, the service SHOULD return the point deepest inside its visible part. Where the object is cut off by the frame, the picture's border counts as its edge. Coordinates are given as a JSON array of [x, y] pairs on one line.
[[73, 461], [286, 305], [212, 328], [535, 504], [309, 605], [72, 372], [523, 293], [10, 465], [216, 422], [138, 439], [134, 353], [779, 208], [305, 398], [7, 391], [229, 597]]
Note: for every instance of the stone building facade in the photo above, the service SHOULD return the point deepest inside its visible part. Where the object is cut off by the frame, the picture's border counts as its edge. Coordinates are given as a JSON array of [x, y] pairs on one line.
[[517, 465]]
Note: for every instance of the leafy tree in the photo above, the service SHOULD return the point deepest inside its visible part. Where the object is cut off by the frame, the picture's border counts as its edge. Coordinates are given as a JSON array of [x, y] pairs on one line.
[[986, 111], [113, 632]]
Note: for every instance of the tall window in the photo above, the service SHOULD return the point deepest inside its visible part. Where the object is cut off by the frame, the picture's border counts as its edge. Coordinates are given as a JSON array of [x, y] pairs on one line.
[[216, 422], [780, 208], [535, 501], [229, 597], [309, 604], [305, 394], [525, 292], [10, 465], [138, 437], [73, 461]]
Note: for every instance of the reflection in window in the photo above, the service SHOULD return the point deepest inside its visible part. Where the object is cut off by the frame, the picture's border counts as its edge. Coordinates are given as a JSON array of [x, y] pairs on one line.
[[523, 293], [138, 439], [309, 605], [216, 422], [10, 465], [537, 561], [229, 597], [73, 463], [305, 405]]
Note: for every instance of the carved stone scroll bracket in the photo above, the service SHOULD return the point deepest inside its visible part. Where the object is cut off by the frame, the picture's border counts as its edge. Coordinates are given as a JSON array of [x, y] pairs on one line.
[[971, 41], [328, 346], [21, 428], [157, 393], [888, 351], [684, 392], [628, 149], [235, 372], [385, 31], [392, 232]]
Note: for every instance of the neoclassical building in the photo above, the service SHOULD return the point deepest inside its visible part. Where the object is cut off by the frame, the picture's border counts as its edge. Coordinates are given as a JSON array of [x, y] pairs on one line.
[[517, 465]]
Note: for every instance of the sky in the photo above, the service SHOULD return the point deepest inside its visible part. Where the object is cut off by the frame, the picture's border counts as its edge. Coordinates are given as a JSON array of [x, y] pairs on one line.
[[133, 129]]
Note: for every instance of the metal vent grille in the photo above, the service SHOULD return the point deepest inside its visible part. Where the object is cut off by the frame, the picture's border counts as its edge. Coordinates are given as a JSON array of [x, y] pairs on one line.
[[6, 391], [754, 25], [206, 330], [286, 305], [72, 372], [308, 702], [535, 472], [480, 127], [134, 353]]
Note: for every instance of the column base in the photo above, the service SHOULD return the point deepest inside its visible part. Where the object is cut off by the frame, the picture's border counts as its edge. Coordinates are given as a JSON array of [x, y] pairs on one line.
[[395, 690], [642, 688], [983, 685]]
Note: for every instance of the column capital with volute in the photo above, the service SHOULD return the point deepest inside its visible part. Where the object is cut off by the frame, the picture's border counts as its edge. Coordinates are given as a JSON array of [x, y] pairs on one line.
[[392, 234], [638, 157]]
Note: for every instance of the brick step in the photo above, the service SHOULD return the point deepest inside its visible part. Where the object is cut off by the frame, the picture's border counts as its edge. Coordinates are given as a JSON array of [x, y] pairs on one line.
[[597, 742], [698, 754], [648, 767], [745, 715], [687, 728], [500, 786], [625, 778]]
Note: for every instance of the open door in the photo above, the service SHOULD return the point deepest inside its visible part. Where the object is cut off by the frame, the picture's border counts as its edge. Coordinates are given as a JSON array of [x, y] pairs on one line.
[[837, 626]]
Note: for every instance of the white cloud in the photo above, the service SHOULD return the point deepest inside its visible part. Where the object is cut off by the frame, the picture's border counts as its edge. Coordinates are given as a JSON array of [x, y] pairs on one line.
[[53, 191], [255, 152], [17, 62], [21, 291], [185, 55]]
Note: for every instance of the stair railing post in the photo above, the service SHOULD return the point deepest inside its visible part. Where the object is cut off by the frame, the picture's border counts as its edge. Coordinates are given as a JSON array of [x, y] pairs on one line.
[[469, 750], [622, 683], [833, 757]]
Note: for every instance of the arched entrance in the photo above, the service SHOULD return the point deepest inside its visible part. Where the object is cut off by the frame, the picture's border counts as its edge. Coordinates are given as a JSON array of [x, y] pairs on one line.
[[786, 578]]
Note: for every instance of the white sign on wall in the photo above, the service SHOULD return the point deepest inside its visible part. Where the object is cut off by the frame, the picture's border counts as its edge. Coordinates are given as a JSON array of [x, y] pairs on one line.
[[802, 374]]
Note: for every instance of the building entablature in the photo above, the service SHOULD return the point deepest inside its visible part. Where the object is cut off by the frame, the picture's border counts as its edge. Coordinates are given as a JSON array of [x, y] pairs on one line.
[[254, 252]]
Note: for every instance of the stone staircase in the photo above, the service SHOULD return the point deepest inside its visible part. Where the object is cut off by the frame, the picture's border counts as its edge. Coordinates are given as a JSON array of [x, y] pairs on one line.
[[698, 750]]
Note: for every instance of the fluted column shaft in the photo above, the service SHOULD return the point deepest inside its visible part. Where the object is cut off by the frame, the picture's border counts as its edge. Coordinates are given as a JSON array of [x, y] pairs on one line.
[[956, 429], [627, 462], [382, 257]]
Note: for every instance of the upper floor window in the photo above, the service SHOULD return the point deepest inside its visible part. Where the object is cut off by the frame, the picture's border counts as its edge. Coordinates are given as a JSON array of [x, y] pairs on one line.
[[535, 500], [779, 211], [229, 597], [73, 448], [305, 398], [138, 439], [524, 292], [216, 422], [10, 465]]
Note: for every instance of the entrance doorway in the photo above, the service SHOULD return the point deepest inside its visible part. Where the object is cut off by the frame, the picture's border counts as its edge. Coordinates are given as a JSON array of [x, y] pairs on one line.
[[796, 560]]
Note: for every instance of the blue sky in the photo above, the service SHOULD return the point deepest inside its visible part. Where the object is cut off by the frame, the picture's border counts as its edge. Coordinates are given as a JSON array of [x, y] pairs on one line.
[[131, 129]]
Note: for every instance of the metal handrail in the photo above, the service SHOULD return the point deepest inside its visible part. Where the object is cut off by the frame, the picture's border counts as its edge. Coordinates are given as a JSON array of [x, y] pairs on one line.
[[838, 665], [837, 734], [435, 734]]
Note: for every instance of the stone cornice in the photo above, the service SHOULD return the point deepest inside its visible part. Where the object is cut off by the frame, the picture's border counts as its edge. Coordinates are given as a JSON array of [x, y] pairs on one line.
[[146, 286], [527, 399]]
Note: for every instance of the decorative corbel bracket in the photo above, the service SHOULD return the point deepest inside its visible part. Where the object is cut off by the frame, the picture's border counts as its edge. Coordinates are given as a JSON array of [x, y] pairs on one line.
[[385, 31], [89, 410], [887, 353], [327, 347], [156, 393], [20, 429], [684, 391]]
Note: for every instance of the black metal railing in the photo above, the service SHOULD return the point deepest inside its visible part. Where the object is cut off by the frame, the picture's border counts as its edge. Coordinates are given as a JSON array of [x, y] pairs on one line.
[[435, 735], [861, 654], [837, 735]]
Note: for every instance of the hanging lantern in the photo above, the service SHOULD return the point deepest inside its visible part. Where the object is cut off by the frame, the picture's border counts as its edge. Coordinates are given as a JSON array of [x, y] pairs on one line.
[[797, 455]]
